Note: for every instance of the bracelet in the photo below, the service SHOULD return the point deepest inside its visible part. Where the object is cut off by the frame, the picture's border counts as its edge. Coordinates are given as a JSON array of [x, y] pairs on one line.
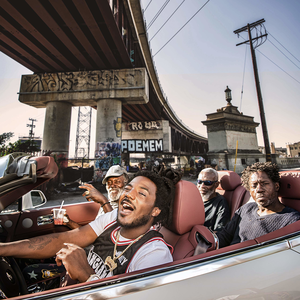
[[104, 203], [93, 277]]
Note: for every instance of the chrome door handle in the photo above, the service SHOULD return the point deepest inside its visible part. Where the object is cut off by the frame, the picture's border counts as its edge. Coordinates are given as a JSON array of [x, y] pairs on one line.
[[44, 220]]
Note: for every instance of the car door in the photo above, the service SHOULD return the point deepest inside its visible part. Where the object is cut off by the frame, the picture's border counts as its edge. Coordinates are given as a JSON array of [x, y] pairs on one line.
[[21, 223], [257, 271]]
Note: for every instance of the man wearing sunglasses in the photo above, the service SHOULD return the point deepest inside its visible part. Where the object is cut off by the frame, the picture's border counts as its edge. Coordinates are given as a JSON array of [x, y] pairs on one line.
[[217, 212]]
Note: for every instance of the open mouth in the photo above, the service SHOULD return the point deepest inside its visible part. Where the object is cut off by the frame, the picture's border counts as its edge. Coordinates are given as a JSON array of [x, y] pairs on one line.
[[126, 206], [113, 190]]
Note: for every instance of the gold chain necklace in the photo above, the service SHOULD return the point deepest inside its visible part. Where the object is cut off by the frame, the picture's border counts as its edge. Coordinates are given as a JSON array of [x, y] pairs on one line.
[[110, 262]]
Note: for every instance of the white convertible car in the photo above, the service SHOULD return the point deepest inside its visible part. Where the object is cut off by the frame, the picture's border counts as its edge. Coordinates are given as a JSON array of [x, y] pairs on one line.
[[265, 268]]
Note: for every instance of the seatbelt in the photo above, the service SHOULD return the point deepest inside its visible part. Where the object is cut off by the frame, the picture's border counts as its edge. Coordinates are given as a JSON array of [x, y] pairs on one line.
[[203, 244]]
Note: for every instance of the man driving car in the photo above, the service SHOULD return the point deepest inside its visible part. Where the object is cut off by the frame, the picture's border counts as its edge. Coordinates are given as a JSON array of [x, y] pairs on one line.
[[123, 240]]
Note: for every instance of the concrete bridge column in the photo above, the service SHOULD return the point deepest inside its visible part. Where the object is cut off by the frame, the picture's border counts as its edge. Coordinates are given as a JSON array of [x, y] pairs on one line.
[[107, 89], [108, 133], [57, 129]]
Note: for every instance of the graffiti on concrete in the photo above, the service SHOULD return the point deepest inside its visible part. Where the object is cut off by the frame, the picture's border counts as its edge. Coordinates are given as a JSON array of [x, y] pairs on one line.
[[110, 140], [107, 154], [118, 127], [84, 80], [143, 125], [142, 145]]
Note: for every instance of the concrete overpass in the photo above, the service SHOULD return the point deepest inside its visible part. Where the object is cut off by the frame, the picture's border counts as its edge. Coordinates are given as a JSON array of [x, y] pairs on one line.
[[95, 53]]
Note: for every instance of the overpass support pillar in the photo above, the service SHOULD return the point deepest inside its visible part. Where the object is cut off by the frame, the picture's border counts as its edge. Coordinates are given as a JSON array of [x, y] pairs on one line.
[[106, 89], [109, 130], [57, 130]]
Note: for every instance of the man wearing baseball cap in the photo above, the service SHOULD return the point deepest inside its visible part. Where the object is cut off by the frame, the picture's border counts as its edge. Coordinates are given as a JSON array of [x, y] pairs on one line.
[[115, 179]]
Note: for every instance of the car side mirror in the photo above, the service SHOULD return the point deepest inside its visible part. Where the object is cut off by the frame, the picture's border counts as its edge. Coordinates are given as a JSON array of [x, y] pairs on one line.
[[33, 199]]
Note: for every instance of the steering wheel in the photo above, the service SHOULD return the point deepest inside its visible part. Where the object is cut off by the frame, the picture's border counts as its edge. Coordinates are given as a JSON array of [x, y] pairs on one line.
[[12, 282]]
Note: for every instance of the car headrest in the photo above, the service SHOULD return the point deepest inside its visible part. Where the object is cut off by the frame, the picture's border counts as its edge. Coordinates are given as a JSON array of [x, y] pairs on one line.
[[46, 166], [188, 208], [229, 180], [290, 184]]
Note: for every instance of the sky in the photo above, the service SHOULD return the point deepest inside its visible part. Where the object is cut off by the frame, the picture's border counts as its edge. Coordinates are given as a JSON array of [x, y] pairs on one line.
[[197, 65]]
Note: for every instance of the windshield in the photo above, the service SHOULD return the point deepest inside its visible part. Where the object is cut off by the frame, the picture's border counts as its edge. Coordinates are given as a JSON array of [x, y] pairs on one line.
[[5, 161]]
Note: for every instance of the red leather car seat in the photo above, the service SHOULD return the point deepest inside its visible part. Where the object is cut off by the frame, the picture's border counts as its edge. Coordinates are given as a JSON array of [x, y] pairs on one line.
[[188, 218], [231, 188], [289, 192]]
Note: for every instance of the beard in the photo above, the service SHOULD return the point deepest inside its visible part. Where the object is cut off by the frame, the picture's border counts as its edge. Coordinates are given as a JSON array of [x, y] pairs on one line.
[[207, 195], [114, 194], [141, 221]]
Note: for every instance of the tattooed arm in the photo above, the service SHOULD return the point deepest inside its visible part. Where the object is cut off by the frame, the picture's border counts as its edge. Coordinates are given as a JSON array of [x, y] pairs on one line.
[[47, 245]]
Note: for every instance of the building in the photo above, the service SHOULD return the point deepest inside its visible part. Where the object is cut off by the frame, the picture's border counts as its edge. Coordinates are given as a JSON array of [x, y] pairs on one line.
[[232, 139], [36, 142], [293, 150]]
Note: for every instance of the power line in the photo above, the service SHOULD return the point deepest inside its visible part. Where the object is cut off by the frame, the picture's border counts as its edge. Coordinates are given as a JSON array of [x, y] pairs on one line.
[[275, 64], [182, 27], [283, 46], [284, 54], [278, 66], [147, 5], [158, 13], [166, 21]]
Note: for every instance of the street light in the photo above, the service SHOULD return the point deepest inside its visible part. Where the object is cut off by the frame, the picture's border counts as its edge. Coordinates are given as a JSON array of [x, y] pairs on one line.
[[228, 95]]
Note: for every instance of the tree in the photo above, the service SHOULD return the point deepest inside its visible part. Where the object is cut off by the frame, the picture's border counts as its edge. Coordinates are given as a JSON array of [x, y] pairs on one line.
[[4, 137], [29, 146], [26, 147]]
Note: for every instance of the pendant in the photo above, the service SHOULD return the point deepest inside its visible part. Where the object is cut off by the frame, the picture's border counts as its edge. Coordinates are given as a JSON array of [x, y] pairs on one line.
[[110, 263]]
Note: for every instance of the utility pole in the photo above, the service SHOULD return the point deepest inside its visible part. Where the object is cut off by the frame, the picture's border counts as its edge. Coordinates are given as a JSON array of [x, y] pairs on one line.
[[31, 133], [258, 40]]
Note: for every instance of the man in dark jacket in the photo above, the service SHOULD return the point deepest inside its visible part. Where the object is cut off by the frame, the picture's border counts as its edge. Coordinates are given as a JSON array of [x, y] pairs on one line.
[[217, 212]]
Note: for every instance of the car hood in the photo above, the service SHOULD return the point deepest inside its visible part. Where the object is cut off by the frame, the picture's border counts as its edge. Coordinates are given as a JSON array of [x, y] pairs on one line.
[[20, 173]]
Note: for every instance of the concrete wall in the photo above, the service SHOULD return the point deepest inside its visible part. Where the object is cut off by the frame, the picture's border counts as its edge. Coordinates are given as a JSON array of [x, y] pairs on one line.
[[287, 162], [216, 141], [223, 140], [246, 140]]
